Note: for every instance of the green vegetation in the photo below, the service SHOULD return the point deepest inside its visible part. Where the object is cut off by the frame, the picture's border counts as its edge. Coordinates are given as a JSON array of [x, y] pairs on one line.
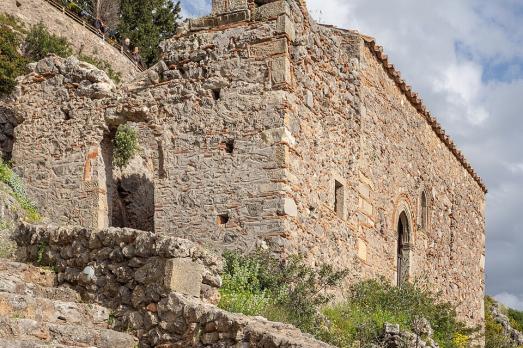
[[516, 319], [102, 65], [12, 62], [370, 304], [125, 145], [9, 177], [147, 23], [494, 336], [39, 43], [295, 293], [42, 248]]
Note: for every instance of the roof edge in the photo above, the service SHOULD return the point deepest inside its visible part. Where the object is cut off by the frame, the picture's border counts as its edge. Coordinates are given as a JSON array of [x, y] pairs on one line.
[[417, 102]]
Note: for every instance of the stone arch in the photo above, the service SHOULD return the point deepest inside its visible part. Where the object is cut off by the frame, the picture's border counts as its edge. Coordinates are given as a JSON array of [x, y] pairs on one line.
[[404, 243]]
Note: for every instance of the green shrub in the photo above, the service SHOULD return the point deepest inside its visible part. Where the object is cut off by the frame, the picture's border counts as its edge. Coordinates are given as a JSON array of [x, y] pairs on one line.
[[494, 335], [125, 145], [292, 292], [370, 304], [39, 43], [9, 177], [516, 319], [12, 63], [103, 65]]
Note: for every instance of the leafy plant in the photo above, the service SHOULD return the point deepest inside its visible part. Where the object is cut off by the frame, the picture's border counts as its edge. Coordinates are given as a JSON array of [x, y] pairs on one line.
[[9, 177], [103, 65], [494, 336], [291, 291], [12, 63], [39, 43], [125, 145], [42, 248], [370, 304]]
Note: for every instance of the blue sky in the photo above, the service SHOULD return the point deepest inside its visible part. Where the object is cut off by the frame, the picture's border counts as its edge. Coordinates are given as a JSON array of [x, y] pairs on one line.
[[466, 59]]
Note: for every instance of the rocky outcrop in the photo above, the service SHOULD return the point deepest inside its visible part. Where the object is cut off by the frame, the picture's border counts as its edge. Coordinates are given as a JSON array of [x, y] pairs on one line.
[[499, 316], [34, 313]]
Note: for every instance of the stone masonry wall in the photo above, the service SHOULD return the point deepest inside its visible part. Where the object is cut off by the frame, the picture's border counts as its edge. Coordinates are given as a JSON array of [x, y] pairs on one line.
[[160, 288], [263, 129], [32, 12], [402, 157]]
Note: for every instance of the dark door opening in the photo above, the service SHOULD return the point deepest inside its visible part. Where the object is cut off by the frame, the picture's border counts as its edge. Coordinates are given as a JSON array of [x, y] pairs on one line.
[[403, 249]]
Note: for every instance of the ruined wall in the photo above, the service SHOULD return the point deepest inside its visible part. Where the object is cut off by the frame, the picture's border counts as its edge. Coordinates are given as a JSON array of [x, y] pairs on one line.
[[32, 12]]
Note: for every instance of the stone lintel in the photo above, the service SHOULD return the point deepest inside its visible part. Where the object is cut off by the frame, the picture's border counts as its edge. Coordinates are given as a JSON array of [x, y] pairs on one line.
[[272, 10]]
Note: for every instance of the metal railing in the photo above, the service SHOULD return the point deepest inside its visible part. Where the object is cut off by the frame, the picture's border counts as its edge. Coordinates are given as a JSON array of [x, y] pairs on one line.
[[60, 7]]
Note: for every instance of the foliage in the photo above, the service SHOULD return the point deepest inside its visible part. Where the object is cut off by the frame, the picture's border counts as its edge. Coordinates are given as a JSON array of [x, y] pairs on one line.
[[42, 248], [12, 63], [103, 65], [259, 284], [39, 43], [147, 23], [371, 304], [9, 177], [125, 145], [494, 337], [516, 319]]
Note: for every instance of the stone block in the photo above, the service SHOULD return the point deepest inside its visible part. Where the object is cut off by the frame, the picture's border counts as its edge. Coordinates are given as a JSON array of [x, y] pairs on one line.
[[184, 276], [232, 17], [278, 135], [272, 10], [201, 23], [286, 26], [281, 70], [268, 48], [289, 207], [362, 249], [225, 6]]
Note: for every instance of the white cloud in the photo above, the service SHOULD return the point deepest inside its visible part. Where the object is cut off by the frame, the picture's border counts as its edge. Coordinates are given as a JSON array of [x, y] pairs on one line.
[[510, 300]]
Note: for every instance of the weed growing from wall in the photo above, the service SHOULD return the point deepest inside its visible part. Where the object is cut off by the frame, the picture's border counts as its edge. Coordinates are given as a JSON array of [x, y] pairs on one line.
[[125, 145], [9, 177]]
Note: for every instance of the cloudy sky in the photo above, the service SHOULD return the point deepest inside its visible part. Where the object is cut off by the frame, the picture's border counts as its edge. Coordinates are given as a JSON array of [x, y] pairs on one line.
[[465, 57]]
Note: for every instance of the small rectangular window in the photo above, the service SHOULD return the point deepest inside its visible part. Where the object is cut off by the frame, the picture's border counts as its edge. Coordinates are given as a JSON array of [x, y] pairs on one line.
[[339, 199]]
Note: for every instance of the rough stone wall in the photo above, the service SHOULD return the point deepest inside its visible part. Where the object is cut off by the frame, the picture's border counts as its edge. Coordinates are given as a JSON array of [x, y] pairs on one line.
[[262, 128], [160, 288], [401, 158], [60, 109], [32, 12]]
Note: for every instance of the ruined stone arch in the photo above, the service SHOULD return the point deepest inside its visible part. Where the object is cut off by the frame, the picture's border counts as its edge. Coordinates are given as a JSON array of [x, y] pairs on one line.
[[404, 232]]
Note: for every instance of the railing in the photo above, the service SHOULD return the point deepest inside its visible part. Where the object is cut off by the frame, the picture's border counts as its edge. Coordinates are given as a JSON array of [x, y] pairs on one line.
[[92, 29]]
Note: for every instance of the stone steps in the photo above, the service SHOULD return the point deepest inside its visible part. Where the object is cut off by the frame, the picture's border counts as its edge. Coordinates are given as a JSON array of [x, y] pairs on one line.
[[67, 335], [52, 311], [34, 313], [15, 284]]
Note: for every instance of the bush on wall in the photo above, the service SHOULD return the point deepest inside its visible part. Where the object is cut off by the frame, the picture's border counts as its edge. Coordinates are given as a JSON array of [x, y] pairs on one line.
[[125, 145], [39, 43], [12, 63]]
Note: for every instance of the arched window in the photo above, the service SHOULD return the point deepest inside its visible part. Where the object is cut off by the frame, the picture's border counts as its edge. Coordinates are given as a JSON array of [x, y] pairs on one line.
[[424, 211], [403, 248]]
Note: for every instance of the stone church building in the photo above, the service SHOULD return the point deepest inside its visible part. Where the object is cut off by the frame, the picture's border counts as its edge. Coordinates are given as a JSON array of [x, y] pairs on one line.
[[262, 128]]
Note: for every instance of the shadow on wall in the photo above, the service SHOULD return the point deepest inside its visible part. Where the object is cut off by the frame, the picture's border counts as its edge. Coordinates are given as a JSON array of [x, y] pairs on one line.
[[7, 126], [133, 202]]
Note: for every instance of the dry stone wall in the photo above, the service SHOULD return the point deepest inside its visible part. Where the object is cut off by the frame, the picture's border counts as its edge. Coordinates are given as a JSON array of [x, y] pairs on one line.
[[32, 12], [160, 288]]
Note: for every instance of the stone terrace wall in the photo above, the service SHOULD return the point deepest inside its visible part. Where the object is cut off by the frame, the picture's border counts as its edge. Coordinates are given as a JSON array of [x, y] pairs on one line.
[[142, 277], [31, 12], [401, 158]]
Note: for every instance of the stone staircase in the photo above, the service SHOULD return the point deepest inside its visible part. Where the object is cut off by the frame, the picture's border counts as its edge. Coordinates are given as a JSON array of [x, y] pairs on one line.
[[35, 313]]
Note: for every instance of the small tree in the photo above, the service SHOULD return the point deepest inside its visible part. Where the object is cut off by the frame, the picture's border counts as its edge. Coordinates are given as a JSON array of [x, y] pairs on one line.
[[12, 63], [39, 43], [147, 23], [125, 145]]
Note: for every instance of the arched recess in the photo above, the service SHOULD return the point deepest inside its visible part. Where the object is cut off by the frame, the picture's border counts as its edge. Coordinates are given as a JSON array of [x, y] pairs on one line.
[[424, 211], [404, 244]]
